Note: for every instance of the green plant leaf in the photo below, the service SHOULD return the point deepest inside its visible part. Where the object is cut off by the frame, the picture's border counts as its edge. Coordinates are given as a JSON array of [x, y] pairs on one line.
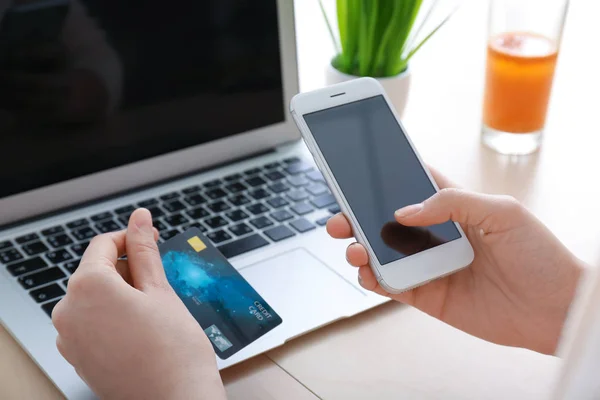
[[376, 36], [404, 61], [351, 51], [407, 23]]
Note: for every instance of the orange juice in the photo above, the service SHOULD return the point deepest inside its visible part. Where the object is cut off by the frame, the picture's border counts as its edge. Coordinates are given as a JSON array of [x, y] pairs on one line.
[[520, 70]]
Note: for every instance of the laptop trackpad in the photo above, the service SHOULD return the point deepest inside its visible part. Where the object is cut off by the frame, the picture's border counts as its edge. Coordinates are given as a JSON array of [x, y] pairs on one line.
[[303, 290]]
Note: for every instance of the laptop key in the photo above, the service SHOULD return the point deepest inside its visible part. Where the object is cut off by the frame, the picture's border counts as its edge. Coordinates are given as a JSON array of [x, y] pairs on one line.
[[59, 240], [127, 210], [41, 278], [274, 175], [323, 221], [26, 266], [236, 215], [257, 209], [72, 266], [27, 238], [80, 248], [78, 223], [279, 233], [325, 200], [232, 178], [197, 213], [256, 181], [148, 203], [317, 189], [216, 222], [334, 209], [218, 206], [84, 233], [277, 202], [213, 184], [315, 176], [49, 307], [279, 187], [174, 206], [5, 245], [298, 180], [218, 236], [196, 225], [259, 194], [53, 231], [156, 211], [297, 195], [10, 255], [302, 208], [159, 225], [33, 248], [169, 196], [216, 194], [272, 165], [59, 256], [191, 189], [298, 167], [236, 187], [166, 235], [101, 216], [240, 229], [47, 293], [291, 160], [261, 222], [176, 220], [252, 171], [239, 200], [107, 226], [243, 245], [195, 199], [282, 215], [302, 225]]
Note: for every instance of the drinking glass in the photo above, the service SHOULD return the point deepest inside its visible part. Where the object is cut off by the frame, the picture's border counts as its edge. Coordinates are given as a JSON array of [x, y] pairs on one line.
[[523, 45]]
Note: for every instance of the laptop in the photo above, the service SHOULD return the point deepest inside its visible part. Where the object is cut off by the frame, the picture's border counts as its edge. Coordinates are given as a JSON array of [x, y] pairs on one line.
[[182, 110]]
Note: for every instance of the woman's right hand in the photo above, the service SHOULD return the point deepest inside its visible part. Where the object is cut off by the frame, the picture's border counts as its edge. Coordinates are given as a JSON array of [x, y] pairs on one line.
[[519, 287]]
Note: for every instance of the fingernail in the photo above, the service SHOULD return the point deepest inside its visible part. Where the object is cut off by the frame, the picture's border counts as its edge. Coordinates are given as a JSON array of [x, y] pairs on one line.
[[360, 281], [143, 220], [408, 211]]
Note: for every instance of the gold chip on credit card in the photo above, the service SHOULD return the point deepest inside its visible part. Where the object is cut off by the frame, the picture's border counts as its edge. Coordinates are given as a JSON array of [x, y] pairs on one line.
[[197, 244]]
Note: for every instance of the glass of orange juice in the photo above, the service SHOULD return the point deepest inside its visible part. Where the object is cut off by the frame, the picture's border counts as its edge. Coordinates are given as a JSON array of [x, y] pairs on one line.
[[523, 46]]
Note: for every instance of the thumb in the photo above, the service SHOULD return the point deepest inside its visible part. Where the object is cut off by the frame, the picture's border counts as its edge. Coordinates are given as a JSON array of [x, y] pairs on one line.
[[143, 257], [486, 212]]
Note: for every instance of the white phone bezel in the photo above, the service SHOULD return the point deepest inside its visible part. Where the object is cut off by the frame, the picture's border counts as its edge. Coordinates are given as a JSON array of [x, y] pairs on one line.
[[409, 272]]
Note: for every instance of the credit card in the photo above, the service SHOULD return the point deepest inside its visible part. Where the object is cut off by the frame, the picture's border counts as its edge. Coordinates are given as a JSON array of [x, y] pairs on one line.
[[226, 306]]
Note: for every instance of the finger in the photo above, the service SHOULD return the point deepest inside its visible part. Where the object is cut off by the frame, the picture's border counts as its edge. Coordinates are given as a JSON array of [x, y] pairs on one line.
[[103, 250], [357, 255], [338, 227], [367, 278], [490, 213], [123, 270], [145, 265]]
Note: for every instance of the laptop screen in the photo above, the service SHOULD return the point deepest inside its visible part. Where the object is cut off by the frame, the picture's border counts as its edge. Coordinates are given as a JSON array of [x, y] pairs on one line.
[[87, 85]]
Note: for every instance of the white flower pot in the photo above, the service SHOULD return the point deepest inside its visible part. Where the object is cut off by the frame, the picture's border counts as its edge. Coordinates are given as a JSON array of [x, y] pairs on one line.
[[396, 87]]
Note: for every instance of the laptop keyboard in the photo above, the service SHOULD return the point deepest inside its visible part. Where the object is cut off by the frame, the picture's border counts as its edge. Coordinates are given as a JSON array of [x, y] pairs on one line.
[[239, 213]]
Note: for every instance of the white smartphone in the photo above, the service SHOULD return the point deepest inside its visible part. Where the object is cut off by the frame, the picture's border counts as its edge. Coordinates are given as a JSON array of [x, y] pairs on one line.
[[373, 169]]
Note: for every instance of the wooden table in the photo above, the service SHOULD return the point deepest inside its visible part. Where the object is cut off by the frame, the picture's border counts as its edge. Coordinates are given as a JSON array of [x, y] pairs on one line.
[[395, 351]]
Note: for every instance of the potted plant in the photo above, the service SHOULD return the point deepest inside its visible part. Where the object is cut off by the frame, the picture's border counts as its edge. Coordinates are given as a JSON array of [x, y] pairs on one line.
[[377, 38]]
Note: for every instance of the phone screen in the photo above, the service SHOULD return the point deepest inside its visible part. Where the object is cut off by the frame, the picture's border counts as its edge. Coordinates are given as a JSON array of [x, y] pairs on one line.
[[378, 173]]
